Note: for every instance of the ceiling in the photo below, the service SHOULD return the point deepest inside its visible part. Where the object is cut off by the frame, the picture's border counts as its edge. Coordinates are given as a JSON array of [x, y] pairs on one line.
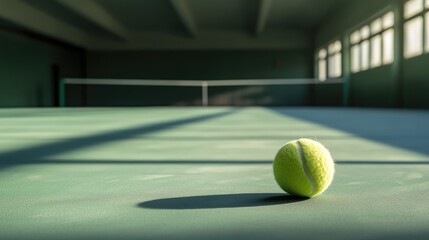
[[163, 24]]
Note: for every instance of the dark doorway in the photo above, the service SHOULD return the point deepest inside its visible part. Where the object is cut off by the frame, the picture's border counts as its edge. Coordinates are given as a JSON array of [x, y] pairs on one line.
[[55, 74]]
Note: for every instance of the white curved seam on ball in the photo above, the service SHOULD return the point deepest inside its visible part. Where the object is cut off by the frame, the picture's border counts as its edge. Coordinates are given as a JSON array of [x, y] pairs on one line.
[[305, 168]]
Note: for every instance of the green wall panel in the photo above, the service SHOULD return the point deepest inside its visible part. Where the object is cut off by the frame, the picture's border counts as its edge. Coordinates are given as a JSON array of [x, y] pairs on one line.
[[416, 82], [26, 69], [374, 88], [328, 95], [198, 64]]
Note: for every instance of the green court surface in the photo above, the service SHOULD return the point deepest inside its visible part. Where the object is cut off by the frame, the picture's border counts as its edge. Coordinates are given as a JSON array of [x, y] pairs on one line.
[[181, 173]]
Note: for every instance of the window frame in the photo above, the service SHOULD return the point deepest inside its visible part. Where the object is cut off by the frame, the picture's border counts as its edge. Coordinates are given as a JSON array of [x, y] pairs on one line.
[[361, 47], [424, 38], [333, 55]]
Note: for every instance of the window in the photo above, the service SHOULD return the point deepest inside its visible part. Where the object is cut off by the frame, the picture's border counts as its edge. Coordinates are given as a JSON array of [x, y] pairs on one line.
[[388, 46], [335, 60], [364, 64], [355, 59], [413, 7], [388, 38], [413, 37], [376, 51], [329, 61], [416, 27], [355, 52], [322, 65], [372, 44], [388, 20], [427, 27]]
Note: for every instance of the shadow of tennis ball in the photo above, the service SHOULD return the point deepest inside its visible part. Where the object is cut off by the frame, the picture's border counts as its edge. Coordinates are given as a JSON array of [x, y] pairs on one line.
[[221, 201]]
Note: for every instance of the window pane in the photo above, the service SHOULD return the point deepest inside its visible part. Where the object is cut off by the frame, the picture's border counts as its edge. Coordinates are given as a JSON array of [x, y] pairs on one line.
[[355, 58], [388, 47], [337, 46], [376, 51], [331, 48], [412, 7], [427, 3], [322, 70], [376, 26], [364, 33], [331, 66], [413, 37], [337, 65], [427, 29], [322, 53], [334, 47], [389, 20], [364, 55], [355, 37]]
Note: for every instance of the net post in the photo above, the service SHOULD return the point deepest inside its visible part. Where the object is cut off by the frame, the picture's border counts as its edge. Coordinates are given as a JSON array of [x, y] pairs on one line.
[[62, 93], [205, 93]]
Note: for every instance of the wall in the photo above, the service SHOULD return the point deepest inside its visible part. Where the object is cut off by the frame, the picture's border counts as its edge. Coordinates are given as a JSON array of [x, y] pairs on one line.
[[416, 82], [26, 76], [401, 84], [26, 68], [201, 65]]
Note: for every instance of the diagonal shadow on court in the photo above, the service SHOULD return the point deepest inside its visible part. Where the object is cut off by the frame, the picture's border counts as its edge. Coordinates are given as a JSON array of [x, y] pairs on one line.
[[406, 129], [39, 153]]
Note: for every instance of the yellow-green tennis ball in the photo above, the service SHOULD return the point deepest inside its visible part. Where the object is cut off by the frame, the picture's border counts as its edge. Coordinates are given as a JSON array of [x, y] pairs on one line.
[[304, 168]]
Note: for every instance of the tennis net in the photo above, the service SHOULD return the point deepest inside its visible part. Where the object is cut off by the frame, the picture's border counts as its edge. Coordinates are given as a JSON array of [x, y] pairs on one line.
[[149, 92]]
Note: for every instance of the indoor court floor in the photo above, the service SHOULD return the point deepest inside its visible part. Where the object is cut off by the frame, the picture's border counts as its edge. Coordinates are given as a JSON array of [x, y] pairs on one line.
[[182, 173]]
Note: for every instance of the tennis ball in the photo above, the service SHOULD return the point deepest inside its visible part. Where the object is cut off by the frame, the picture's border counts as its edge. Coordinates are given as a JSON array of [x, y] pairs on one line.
[[304, 168]]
